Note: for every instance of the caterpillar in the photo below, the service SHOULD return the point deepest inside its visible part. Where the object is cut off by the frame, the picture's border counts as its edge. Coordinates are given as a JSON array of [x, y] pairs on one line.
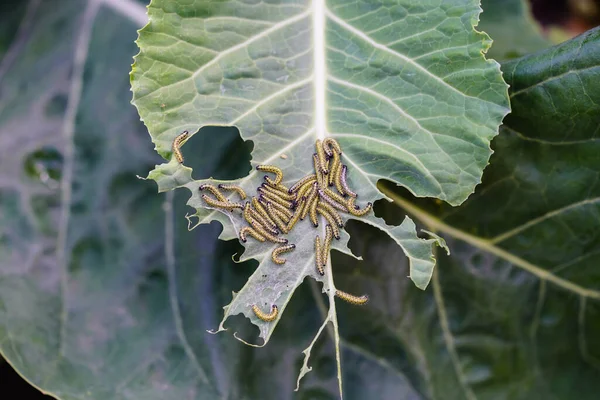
[[280, 215], [331, 143], [261, 210], [344, 182], [283, 249], [326, 244], [270, 317], [331, 222], [278, 221], [279, 191], [294, 220], [322, 158], [352, 209], [250, 214], [319, 256], [268, 236], [311, 198], [333, 170], [320, 179], [221, 204], [313, 212], [271, 196], [274, 170], [338, 180], [281, 187], [331, 201], [340, 199], [246, 230], [286, 211], [327, 148], [336, 216], [356, 300], [179, 140], [301, 183], [215, 192], [234, 188], [304, 190]]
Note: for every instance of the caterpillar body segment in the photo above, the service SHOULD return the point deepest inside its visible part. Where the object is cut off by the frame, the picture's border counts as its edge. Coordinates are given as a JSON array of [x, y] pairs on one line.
[[333, 170], [335, 196], [334, 214], [354, 210], [322, 159], [278, 251], [312, 197], [263, 212], [274, 170], [176, 147], [248, 231], [356, 300], [333, 203], [333, 145], [221, 204], [319, 256], [318, 172], [294, 220], [267, 317], [296, 186], [273, 197], [285, 210], [338, 180], [214, 191], [326, 244], [304, 191], [263, 232], [278, 221], [283, 194], [312, 212], [344, 183], [331, 224], [234, 188], [250, 214]]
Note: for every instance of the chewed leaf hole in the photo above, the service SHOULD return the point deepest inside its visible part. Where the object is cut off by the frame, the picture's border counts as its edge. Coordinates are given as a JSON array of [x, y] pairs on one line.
[[44, 165], [231, 162]]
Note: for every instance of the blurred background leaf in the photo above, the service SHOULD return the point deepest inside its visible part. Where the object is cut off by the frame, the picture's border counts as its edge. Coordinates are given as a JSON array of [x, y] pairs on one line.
[[512, 27]]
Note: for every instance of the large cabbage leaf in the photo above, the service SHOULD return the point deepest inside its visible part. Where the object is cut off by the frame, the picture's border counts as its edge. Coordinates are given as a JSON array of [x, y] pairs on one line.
[[404, 88]]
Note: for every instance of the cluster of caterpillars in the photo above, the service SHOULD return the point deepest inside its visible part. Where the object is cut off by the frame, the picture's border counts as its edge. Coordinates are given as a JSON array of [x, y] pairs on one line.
[[277, 208]]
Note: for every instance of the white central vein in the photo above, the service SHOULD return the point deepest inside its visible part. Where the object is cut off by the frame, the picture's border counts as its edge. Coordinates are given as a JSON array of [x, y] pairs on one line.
[[319, 67]]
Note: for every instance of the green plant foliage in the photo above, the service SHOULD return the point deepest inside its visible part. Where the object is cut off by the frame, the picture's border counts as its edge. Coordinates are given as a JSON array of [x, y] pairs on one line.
[[524, 246], [105, 294], [512, 28], [404, 89]]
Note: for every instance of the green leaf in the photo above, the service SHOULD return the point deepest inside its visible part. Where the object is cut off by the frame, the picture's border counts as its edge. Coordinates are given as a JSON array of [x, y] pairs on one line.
[[404, 89], [130, 313], [512, 28], [90, 304], [516, 306]]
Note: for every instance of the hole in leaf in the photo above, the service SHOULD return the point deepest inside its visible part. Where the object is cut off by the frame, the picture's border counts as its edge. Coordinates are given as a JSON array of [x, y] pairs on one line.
[[44, 165], [218, 152]]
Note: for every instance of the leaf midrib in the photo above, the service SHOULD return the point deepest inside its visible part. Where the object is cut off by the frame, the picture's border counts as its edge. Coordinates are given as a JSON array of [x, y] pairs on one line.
[[439, 226]]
